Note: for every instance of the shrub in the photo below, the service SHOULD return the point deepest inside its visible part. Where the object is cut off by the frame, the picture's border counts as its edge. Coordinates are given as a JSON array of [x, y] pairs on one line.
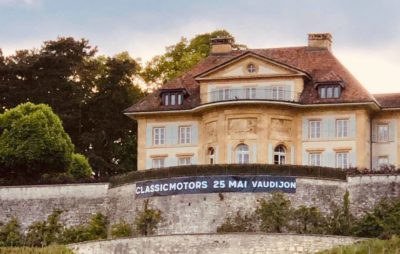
[[238, 223], [96, 229], [44, 233], [275, 213], [79, 167], [146, 221], [10, 234], [341, 221], [382, 221], [121, 229], [308, 220]]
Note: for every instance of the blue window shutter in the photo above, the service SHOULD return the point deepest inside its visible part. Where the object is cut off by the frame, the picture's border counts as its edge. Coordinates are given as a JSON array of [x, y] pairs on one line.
[[305, 129], [329, 159], [229, 153], [195, 134], [270, 154], [328, 127], [171, 161], [172, 134], [149, 163], [352, 159], [149, 135], [254, 153], [352, 127], [374, 162], [374, 134], [392, 130], [288, 92], [305, 158]]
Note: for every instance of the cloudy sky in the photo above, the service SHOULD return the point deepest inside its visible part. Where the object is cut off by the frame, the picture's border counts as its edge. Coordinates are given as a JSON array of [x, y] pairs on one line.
[[366, 34]]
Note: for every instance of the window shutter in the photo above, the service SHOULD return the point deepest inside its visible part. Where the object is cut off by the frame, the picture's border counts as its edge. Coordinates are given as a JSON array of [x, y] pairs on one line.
[[305, 129], [270, 154], [288, 93], [352, 127], [374, 162], [374, 134], [392, 130], [195, 134], [149, 135]]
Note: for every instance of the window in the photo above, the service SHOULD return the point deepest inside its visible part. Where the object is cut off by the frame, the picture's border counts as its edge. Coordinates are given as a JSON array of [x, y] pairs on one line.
[[278, 93], [242, 154], [182, 161], [172, 99], [383, 132], [342, 128], [383, 161], [211, 155], [251, 68], [314, 159], [250, 92], [222, 94], [342, 160], [280, 155], [185, 134], [158, 163], [314, 128], [329, 91], [159, 136]]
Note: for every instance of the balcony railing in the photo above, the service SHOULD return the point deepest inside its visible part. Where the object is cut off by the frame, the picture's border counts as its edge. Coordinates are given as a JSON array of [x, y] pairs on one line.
[[229, 94]]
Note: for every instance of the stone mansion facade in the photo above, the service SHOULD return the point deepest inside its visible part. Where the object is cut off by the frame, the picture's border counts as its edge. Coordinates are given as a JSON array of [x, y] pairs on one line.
[[294, 105]]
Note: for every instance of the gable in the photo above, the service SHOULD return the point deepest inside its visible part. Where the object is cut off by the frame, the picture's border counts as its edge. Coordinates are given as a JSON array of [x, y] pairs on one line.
[[239, 69]]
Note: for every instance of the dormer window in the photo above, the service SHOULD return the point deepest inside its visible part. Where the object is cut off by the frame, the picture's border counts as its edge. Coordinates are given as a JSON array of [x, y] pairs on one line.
[[331, 91], [172, 97]]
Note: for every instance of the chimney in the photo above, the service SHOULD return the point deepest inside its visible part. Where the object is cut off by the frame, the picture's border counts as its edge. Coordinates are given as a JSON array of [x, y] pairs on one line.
[[320, 40], [221, 45]]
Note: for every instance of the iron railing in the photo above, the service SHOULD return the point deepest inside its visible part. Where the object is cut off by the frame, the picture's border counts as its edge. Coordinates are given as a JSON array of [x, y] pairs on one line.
[[256, 93]]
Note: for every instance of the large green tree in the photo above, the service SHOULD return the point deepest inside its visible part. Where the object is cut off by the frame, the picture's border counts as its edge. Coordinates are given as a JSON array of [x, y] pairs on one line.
[[33, 142], [182, 56], [89, 94]]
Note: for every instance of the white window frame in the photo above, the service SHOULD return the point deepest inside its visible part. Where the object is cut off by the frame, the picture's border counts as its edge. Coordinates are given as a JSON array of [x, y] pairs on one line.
[[184, 161], [159, 136], [314, 129], [342, 160], [342, 128], [242, 154], [278, 93], [314, 159], [280, 154], [185, 134], [250, 92], [382, 161], [383, 137], [158, 162]]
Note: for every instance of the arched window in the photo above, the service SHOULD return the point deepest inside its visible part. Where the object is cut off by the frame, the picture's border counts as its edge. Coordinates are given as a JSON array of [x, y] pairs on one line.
[[280, 155], [211, 155], [242, 154]]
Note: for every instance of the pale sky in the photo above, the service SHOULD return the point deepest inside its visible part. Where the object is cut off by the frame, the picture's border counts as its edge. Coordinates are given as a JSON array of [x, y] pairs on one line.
[[366, 34]]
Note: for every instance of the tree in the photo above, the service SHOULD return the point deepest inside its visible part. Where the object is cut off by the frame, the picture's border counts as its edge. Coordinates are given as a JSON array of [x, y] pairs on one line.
[[79, 167], [181, 57], [275, 213], [147, 220], [33, 142]]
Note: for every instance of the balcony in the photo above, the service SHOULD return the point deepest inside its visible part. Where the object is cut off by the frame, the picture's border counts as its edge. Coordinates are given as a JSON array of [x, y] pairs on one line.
[[231, 94]]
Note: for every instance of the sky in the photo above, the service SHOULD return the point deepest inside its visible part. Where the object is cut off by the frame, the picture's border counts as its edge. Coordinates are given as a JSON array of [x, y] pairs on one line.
[[366, 34]]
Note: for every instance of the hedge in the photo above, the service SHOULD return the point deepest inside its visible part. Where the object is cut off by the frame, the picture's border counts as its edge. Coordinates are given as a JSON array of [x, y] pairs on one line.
[[229, 169]]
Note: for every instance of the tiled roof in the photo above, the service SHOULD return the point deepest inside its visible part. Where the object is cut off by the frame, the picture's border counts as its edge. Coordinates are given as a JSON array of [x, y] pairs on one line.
[[388, 100], [320, 64]]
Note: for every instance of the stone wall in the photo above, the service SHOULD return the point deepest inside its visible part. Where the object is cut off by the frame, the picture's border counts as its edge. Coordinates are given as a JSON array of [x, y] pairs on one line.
[[34, 203], [212, 243], [183, 214]]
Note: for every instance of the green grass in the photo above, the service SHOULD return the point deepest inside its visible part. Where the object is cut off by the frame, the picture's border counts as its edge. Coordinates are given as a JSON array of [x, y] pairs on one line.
[[374, 246], [26, 250]]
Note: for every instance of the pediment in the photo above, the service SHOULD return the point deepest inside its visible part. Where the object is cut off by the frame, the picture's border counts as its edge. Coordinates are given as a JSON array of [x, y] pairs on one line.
[[239, 68]]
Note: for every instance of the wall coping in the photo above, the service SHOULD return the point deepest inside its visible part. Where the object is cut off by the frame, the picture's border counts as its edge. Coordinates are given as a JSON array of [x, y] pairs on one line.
[[222, 234]]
